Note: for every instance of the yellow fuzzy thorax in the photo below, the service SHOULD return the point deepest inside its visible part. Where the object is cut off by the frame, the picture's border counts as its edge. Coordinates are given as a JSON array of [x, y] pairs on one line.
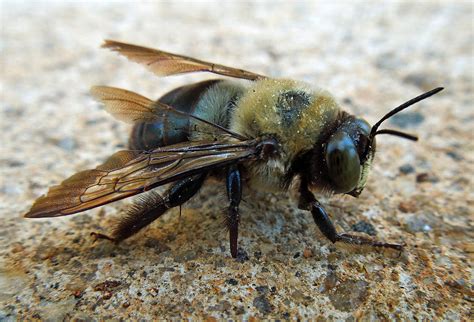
[[259, 115]]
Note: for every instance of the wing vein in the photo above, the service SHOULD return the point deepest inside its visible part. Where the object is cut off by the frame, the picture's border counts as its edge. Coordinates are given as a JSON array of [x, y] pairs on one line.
[[125, 174]]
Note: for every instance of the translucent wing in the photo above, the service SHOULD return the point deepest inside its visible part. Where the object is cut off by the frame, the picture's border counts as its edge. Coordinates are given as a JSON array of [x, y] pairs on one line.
[[128, 106], [164, 64], [131, 107], [125, 174]]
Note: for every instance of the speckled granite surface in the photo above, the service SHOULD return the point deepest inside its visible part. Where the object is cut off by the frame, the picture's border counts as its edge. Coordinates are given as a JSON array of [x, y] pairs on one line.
[[372, 57]]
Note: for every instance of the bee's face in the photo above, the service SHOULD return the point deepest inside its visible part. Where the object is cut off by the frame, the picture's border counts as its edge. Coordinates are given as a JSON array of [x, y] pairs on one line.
[[348, 155]]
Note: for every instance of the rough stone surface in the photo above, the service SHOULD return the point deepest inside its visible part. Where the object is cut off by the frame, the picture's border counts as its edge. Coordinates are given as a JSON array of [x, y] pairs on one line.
[[371, 57]]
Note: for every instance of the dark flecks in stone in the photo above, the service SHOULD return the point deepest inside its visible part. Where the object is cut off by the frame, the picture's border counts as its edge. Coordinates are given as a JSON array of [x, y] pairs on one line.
[[257, 254], [44, 252], [12, 163], [78, 294], [76, 264], [95, 121], [420, 80], [300, 298], [77, 240], [407, 119], [107, 286], [186, 256], [461, 286], [68, 144], [426, 177], [232, 281], [349, 295], [388, 61], [223, 306], [296, 255], [82, 220], [364, 227], [36, 316], [166, 269], [408, 206], [90, 276], [219, 263], [239, 310], [329, 282], [170, 237], [416, 224], [406, 169], [13, 112], [307, 252], [242, 256], [262, 289], [347, 101], [455, 156], [263, 304], [157, 245], [332, 267]]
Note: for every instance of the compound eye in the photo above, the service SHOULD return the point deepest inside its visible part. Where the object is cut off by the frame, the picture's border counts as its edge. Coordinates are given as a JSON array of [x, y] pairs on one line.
[[363, 139], [363, 126], [362, 147], [343, 162]]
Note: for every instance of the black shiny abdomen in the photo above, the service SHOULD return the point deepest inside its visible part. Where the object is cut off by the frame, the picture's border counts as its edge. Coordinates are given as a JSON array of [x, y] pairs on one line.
[[147, 136]]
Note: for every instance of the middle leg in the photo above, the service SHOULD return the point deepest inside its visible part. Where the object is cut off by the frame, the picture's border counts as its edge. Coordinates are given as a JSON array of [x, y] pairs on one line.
[[234, 195]]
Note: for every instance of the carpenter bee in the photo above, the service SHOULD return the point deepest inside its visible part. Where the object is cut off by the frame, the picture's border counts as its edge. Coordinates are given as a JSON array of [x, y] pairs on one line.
[[263, 134]]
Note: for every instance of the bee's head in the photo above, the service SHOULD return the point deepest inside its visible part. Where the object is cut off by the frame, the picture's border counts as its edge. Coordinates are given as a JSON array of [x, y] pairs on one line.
[[350, 149], [348, 155]]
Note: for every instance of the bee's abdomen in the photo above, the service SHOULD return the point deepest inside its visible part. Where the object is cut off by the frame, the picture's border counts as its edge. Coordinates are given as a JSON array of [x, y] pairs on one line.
[[172, 130]]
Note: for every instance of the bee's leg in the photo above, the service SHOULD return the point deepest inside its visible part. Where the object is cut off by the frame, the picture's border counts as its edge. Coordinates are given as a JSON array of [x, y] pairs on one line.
[[234, 194], [308, 202], [151, 206]]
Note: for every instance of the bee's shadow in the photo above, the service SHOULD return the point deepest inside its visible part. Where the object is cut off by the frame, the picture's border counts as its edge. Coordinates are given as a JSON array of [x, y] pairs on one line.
[[198, 226]]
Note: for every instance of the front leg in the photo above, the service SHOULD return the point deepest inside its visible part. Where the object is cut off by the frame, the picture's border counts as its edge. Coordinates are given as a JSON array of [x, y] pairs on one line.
[[234, 195], [308, 202]]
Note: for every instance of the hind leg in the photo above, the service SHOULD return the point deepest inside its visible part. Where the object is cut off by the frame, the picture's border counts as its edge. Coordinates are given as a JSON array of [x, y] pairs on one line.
[[150, 207]]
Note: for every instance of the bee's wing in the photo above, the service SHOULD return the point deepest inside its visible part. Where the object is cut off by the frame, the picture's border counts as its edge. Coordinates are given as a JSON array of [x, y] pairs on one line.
[[131, 107], [125, 174], [164, 64]]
